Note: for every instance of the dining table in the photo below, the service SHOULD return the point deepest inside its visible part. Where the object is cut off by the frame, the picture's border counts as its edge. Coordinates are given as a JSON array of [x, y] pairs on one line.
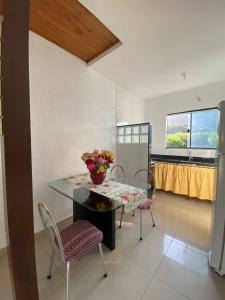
[[98, 203]]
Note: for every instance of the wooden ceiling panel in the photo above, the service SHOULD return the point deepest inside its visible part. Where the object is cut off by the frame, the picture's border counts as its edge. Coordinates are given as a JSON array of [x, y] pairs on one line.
[[68, 24]]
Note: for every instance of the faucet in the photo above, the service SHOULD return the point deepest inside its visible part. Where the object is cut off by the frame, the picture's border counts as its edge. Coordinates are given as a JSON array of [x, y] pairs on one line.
[[189, 155]]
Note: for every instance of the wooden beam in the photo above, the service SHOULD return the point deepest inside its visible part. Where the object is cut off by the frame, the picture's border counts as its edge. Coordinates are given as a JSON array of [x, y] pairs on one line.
[[1, 6], [17, 172], [68, 24]]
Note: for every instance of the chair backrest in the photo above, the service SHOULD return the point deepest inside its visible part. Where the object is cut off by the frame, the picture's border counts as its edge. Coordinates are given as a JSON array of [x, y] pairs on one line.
[[142, 175], [148, 177], [51, 230], [117, 172]]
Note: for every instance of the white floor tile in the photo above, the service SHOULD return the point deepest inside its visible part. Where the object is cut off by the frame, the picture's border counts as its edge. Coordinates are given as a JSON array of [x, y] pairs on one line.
[[171, 262], [131, 230], [3, 260], [125, 280], [160, 291], [5, 284], [188, 272], [45, 286], [195, 229], [148, 253]]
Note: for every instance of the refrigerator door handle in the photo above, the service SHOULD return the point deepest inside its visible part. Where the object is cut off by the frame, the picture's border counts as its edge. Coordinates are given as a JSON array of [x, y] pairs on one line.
[[221, 153]]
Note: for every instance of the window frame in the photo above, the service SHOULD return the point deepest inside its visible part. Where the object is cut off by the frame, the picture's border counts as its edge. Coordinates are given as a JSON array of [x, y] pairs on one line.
[[190, 129]]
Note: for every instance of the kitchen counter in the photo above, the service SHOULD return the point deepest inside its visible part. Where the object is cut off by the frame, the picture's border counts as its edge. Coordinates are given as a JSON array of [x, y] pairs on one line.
[[200, 161]]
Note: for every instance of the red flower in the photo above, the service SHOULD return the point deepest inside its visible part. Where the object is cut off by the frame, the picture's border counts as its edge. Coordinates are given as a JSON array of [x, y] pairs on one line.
[[90, 165]]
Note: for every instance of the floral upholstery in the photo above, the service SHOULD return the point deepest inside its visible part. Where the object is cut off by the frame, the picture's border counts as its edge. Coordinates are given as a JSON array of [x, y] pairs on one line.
[[79, 239], [149, 201], [146, 204]]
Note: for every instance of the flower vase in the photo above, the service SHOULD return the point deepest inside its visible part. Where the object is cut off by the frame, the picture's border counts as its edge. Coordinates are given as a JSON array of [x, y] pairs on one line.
[[98, 178]]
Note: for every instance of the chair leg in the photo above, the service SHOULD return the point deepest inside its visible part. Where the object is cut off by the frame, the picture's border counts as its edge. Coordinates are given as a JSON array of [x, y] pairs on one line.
[[121, 217], [133, 213], [153, 222], [102, 258], [67, 280], [140, 224], [49, 276]]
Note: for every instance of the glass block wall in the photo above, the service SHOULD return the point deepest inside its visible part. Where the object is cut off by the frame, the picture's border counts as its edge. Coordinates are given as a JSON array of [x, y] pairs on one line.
[[133, 134]]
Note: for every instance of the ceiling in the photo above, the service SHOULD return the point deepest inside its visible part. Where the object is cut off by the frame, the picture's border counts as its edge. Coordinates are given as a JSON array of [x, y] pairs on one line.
[[161, 39], [70, 25]]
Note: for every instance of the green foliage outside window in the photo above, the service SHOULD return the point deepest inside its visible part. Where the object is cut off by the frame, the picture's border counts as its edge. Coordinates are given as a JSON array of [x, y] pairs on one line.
[[177, 140], [200, 133]]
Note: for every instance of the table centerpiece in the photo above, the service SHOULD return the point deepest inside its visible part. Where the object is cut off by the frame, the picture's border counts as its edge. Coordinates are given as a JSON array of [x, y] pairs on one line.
[[97, 163]]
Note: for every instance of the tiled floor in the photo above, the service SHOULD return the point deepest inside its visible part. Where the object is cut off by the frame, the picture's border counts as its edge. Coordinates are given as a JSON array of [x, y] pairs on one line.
[[171, 262]]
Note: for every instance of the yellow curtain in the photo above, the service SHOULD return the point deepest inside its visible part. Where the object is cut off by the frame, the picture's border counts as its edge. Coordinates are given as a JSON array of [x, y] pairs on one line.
[[186, 179]]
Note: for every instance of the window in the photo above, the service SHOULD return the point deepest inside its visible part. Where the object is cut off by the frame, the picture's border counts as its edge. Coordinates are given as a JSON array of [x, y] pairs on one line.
[[177, 131], [195, 129], [134, 134]]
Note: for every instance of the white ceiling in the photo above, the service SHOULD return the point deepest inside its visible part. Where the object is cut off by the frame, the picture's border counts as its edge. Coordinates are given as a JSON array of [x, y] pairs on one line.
[[161, 39]]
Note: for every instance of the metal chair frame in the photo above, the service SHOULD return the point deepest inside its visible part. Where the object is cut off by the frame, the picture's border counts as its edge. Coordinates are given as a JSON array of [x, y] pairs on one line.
[[153, 192], [55, 240], [123, 177], [118, 167]]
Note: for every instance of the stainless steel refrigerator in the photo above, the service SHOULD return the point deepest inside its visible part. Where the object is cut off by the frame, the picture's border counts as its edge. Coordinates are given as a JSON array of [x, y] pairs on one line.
[[217, 258]]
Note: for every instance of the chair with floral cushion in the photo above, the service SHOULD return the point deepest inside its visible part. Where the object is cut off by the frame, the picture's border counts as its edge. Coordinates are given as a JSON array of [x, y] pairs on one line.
[[148, 177], [72, 243], [143, 175], [118, 172]]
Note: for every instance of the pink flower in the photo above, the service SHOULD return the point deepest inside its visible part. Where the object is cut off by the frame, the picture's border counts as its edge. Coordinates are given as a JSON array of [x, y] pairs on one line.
[[102, 161]]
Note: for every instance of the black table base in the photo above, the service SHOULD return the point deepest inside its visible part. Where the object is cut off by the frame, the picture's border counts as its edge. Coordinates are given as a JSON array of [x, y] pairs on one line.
[[104, 221]]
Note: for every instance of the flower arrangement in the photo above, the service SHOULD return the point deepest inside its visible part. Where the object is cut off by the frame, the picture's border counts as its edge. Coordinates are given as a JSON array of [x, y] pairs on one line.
[[98, 161]]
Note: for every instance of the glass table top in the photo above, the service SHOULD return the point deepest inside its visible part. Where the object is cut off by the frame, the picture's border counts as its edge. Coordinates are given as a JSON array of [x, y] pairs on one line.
[[109, 196], [85, 197]]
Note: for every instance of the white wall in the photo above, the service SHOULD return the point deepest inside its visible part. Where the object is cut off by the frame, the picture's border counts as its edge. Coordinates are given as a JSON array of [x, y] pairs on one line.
[[158, 108], [73, 109], [130, 108]]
